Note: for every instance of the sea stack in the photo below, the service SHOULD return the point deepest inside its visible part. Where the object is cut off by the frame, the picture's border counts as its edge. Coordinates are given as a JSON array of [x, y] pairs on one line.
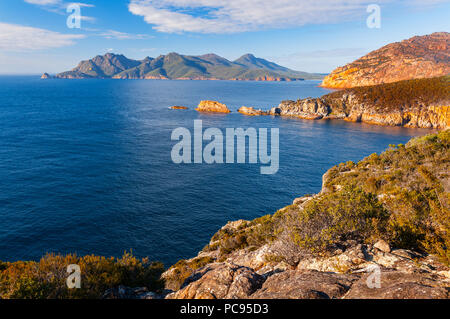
[[212, 106], [46, 76]]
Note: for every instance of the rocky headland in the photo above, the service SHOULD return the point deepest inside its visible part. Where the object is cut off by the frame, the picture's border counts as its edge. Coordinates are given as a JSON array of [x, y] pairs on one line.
[[421, 103], [419, 57]]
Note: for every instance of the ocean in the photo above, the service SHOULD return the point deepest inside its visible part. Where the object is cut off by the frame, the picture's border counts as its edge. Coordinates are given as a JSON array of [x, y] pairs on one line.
[[86, 168]]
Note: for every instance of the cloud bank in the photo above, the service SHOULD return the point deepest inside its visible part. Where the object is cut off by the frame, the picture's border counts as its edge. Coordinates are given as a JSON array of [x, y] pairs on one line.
[[15, 37], [232, 16]]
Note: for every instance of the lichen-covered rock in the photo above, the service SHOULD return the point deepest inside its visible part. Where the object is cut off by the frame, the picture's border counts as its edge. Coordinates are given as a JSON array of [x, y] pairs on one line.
[[295, 284], [399, 285], [212, 106], [383, 246], [220, 281]]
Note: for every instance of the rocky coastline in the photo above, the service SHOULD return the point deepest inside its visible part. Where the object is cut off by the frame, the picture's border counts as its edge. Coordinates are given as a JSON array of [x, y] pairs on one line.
[[256, 260]]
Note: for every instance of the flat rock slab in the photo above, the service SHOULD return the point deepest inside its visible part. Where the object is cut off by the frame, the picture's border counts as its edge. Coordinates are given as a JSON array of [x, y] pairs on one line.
[[399, 285], [307, 284]]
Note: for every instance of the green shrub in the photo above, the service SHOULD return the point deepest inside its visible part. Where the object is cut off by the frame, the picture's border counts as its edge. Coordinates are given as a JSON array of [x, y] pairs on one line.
[[349, 213]]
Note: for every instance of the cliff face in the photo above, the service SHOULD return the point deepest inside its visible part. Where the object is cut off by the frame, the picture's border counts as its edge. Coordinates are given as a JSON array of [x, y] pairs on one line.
[[419, 57], [415, 103], [375, 214]]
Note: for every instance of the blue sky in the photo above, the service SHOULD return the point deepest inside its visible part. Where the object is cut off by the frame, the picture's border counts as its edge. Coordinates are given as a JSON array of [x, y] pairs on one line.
[[307, 35]]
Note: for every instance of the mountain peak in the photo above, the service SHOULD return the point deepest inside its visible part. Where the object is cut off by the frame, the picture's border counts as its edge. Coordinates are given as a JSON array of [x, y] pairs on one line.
[[247, 57]]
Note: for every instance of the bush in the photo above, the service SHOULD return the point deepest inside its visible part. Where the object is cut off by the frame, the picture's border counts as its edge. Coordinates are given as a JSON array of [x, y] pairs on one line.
[[349, 213]]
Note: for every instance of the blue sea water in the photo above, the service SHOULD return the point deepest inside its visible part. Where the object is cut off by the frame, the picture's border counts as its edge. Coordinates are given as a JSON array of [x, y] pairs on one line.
[[85, 165]]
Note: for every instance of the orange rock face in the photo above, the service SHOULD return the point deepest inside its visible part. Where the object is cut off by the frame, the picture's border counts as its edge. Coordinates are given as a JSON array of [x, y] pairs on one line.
[[212, 106], [419, 57]]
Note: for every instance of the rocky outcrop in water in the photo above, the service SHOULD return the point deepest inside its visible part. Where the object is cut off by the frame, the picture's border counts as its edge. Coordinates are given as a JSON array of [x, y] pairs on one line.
[[419, 57], [177, 107], [251, 111], [212, 106]]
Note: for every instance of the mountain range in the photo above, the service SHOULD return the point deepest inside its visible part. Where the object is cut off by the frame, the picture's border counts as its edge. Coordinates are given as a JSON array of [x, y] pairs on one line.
[[184, 67]]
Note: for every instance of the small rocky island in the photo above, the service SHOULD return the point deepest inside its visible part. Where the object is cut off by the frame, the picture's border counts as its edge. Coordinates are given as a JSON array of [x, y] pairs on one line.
[[212, 106]]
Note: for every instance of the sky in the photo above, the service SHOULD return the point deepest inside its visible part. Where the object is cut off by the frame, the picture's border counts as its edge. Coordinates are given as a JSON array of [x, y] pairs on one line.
[[304, 35]]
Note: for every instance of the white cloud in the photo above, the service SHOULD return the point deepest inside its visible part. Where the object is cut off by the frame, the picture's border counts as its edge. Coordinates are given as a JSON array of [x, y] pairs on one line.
[[117, 35], [60, 7], [44, 2], [59, 3], [229, 16], [15, 37]]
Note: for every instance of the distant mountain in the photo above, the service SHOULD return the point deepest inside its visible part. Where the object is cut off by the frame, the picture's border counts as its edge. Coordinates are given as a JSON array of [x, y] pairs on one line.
[[177, 66], [419, 57], [104, 66]]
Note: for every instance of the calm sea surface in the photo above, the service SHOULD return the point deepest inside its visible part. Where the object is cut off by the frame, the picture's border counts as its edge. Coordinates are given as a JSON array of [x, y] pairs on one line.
[[85, 165]]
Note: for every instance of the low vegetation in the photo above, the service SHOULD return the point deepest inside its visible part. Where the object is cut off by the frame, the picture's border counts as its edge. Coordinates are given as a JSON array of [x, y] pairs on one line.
[[47, 278], [398, 95]]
